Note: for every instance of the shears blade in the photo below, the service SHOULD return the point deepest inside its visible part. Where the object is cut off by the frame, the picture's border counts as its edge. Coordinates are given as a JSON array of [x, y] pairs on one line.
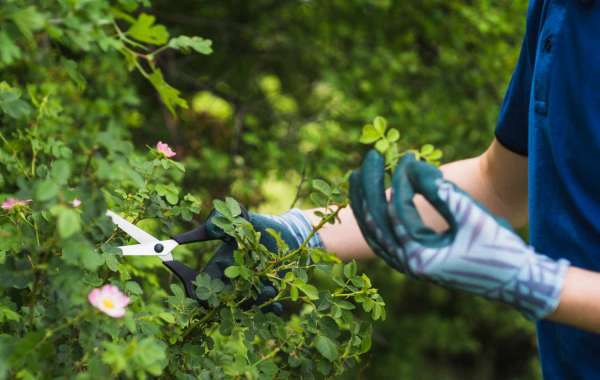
[[132, 230]]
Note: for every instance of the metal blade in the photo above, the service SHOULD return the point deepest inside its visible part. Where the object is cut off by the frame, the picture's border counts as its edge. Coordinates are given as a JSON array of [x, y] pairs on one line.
[[162, 249], [135, 232]]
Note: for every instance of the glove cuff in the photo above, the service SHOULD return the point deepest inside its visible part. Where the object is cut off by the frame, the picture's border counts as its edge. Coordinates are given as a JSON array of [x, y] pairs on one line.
[[538, 286], [300, 227]]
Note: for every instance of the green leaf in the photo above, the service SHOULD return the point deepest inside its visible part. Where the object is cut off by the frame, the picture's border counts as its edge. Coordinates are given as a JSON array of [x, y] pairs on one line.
[[133, 287], [222, 208], [322, 186], [294, 293], [68, 222], [435, 155], [91, 260], [319, 199], [311, 291], [382, 145], [380, 124], [112, 262], [168, 94], [233, 206], [46, 190], [378, 312], [345, 305], [144, 30], [393, 135], [427, 149], [61, 171], [169, 191], [167, 317], [185, 44], [232, 271], [11, 104], [350, 269], [9, 52], [370, 134], [28, 20], [326, 347]]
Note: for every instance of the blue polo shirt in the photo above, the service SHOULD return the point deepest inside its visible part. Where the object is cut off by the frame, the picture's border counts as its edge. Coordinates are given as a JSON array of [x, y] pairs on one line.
[[551, 113]]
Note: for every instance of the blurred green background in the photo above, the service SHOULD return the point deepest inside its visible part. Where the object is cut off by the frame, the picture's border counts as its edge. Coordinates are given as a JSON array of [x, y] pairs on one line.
[[283, 98]]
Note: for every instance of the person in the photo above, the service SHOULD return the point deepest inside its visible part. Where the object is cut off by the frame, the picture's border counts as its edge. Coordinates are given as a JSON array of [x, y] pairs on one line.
[[540, 168]]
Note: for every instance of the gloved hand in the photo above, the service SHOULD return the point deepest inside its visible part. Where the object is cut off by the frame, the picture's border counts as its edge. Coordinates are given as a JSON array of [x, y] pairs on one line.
[[479, 253], [293, 227]]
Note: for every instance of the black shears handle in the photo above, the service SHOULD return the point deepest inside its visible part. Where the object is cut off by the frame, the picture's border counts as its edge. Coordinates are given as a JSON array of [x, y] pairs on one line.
[[204, 232]]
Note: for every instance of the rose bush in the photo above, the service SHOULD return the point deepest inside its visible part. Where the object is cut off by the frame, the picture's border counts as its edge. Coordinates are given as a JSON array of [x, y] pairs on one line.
[[68, 101]]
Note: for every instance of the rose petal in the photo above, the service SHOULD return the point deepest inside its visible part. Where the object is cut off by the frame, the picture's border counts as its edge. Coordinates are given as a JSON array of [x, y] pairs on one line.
[[94, 296]]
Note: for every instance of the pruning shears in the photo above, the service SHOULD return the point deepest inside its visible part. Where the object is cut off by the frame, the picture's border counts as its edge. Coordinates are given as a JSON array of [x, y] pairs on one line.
[[151, 246]]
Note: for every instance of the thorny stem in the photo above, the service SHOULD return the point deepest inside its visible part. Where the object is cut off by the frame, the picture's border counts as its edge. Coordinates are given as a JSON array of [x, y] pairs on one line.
[[267, 357], [194, 324], [328, 218]]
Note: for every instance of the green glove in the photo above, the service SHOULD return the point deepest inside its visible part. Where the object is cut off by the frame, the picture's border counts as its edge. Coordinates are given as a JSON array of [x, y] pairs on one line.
[[479, 253]]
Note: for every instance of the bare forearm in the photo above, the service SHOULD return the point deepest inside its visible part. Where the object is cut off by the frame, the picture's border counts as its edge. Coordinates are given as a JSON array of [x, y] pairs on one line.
[[580, 300], [345, 239], [497, 179]]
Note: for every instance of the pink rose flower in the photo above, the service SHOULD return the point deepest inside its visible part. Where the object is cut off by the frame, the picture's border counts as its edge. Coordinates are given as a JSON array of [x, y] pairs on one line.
[[14, 202], [76, 202], [164, 149], [109, 300]]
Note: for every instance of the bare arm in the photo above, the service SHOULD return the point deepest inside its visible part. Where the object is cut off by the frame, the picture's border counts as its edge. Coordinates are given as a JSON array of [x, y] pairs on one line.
[[579, 300], [497, 178]]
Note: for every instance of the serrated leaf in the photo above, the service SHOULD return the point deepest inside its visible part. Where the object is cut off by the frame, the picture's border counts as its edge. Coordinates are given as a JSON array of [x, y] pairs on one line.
[[11, 104], [233, 206], [427, 149], [167, 317], [382, 145], [322, 186], [145, 30], [294, 293], [46, 190], [9, 52], [319, 199], [435, 155], [393, 135], [69, 222], [232, 271], [311, 291], [350, 269], [28, 20], [369, 134], [380, 124], [61, 171], [222, 208], [345, 305], [168, 94], [185, 44], [112, 262], [133, 287], [377, 312], [326, 347]]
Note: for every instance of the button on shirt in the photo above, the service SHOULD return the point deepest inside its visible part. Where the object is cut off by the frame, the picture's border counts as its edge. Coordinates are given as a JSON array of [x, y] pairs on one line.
[[551, 113]]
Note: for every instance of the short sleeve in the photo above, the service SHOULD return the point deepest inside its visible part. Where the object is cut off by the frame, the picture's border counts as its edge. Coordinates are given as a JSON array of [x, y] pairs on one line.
[[512, 126]]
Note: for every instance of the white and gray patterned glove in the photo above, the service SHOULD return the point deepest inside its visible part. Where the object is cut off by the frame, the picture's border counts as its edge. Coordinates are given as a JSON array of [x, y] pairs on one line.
[[479, 253]]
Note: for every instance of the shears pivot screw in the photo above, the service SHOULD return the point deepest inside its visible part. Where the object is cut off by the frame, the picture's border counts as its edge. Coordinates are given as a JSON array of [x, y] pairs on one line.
[[158, 248]]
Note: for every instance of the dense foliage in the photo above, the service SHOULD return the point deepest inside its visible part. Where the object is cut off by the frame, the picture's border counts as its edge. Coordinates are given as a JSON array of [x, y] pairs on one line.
[[279, 97]]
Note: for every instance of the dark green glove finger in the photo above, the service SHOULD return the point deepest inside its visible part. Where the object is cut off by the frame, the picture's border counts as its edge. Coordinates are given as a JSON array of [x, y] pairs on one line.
[[358, 206], [373, 203], [416, 177]]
